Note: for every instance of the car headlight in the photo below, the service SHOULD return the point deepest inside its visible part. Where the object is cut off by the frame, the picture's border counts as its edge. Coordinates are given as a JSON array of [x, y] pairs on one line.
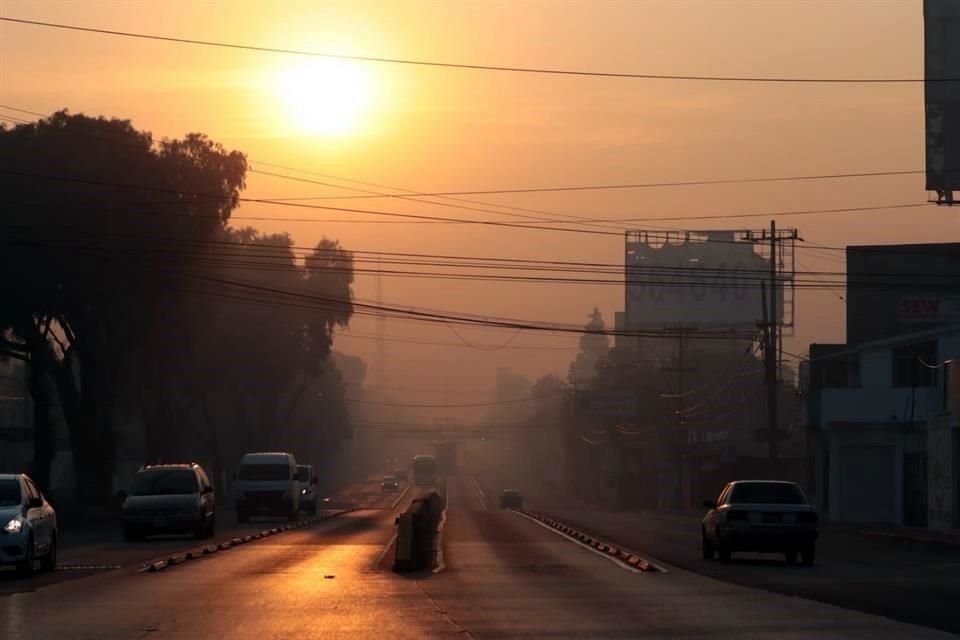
[[303, 492], [14, 526]]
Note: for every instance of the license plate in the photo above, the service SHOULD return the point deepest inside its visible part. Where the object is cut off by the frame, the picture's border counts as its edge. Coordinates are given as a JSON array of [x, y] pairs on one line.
[[771, 517], [264, 508]]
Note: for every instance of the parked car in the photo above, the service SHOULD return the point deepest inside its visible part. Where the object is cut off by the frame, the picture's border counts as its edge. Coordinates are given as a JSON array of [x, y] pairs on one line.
[[267, 485], [169, 498], [765, 516], [401, 475], [28, 525], [308, 483], [511, 499], [389, 484]]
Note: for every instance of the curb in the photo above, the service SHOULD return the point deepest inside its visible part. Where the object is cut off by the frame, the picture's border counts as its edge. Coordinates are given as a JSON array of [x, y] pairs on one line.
[[209, 549], [621, 555]]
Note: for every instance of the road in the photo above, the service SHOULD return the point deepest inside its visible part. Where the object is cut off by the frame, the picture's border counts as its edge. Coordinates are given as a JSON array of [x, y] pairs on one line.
[[917, 585], [504, 576]]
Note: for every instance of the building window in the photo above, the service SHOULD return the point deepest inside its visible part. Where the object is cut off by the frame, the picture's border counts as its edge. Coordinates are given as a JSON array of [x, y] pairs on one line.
[[911, 365]]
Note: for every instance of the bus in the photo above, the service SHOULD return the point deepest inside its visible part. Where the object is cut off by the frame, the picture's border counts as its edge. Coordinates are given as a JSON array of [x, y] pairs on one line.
[[424, 471]]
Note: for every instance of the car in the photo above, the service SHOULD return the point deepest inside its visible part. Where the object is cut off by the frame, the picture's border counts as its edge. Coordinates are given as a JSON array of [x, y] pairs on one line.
[[267, 485], [401, 475], [389, 484], [29, 525], [169, 498], [308, 494], [762, 516], [511, 499]]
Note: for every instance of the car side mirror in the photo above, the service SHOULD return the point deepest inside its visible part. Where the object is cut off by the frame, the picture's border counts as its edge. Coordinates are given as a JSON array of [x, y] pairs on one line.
[[34, 503], [207, 490], [122, 494], [709, 504]]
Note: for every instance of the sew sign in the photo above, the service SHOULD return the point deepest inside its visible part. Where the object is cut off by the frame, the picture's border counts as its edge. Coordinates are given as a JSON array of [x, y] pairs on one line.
[[929, 309]]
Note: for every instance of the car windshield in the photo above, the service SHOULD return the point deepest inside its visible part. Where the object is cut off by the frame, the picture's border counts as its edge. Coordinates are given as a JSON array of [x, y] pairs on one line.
[[9, 493], [389, 479], [164, 482], [264, 472], [767, 493]]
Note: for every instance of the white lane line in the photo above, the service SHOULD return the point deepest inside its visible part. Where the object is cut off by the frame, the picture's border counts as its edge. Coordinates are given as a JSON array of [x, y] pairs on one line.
[[400, 497], [383, 552], [480, 495], [603, 555]]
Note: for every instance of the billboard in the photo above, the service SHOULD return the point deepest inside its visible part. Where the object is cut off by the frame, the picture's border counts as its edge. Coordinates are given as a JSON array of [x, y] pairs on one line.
[[606, 403], [709, 279], [941, 20], [934, 309]]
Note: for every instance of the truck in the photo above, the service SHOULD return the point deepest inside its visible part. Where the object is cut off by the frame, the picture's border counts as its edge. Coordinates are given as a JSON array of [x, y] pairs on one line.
[[424, 470]]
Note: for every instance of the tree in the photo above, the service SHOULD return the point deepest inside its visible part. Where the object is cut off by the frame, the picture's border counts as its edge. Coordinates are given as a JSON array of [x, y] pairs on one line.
[[102, 228]]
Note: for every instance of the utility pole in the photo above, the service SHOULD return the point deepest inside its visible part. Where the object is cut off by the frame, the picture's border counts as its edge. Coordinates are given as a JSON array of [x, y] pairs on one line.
[[381, 319], [681, 439], [772, 354]]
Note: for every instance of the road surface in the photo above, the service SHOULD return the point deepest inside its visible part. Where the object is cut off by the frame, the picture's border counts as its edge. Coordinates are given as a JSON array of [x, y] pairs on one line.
[[504, 576]]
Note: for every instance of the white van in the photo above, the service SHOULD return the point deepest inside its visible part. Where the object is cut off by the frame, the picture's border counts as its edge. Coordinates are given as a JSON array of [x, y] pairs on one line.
[[267, 485]]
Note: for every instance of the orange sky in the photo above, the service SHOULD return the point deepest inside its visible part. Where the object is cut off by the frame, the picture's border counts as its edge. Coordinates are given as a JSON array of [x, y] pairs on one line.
[[443, 129]]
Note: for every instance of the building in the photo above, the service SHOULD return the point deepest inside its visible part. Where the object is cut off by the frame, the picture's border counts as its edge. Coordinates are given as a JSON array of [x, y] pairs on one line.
[[882, 411], [16, 417]]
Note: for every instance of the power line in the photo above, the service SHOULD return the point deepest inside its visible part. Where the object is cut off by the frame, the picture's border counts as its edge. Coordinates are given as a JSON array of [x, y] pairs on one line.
[[595, 187], [468, 66]]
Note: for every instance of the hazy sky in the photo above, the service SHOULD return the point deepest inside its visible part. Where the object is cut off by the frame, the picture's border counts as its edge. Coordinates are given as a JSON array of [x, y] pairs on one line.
[[443, 129]]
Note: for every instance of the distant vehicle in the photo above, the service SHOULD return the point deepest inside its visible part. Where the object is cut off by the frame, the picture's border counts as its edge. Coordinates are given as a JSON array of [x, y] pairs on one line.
[[424, 471], [389, 485], [169, 498], [267, 485], [28, 525], [308, 494], [400, 474], [765, 516], [511, 499]]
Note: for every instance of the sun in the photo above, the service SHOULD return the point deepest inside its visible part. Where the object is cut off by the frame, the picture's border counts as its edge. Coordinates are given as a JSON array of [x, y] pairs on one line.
[[325, 96]]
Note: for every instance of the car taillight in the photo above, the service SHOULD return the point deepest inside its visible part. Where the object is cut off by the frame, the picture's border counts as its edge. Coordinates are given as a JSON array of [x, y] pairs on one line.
[[808, 516], [736, 515]]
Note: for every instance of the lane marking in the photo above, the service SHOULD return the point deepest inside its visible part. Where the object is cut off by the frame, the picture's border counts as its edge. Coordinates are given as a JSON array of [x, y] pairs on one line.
[[603, 555], [481, 496], [383, 552], [400, 497]]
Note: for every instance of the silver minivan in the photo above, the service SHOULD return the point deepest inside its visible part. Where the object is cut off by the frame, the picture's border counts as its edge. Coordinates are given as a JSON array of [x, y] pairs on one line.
[[169, 498], [267, 485]]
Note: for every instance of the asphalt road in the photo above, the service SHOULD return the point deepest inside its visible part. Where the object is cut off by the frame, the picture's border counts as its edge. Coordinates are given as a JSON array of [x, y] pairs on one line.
[[504, 576], [884, 577], [88, 550]]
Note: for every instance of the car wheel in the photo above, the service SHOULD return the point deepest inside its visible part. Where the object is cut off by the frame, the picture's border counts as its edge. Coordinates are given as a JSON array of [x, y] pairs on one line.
[[242, 516], [49, 561], [131, 534], [25, 567], [313, 509], [212, 529], [200, 529], [808, 556], [706, 547], [292, 516], [791, 557]]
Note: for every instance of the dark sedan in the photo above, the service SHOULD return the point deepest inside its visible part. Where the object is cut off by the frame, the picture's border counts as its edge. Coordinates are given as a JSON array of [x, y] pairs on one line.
[[763, 516]]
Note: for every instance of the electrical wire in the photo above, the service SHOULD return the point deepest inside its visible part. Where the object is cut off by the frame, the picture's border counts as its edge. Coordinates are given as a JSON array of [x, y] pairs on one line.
[[467, 66]]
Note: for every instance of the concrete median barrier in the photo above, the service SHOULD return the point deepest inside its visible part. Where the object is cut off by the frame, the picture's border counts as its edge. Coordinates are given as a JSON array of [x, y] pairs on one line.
[[418, 534]]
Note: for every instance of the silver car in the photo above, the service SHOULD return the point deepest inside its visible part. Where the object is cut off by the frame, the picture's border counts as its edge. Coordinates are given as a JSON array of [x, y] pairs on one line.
[[28, 525], [169, 498], [764, 516]]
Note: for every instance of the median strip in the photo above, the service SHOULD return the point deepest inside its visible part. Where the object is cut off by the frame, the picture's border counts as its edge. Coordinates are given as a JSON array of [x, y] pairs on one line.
[[210, 549], [624, 557]]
